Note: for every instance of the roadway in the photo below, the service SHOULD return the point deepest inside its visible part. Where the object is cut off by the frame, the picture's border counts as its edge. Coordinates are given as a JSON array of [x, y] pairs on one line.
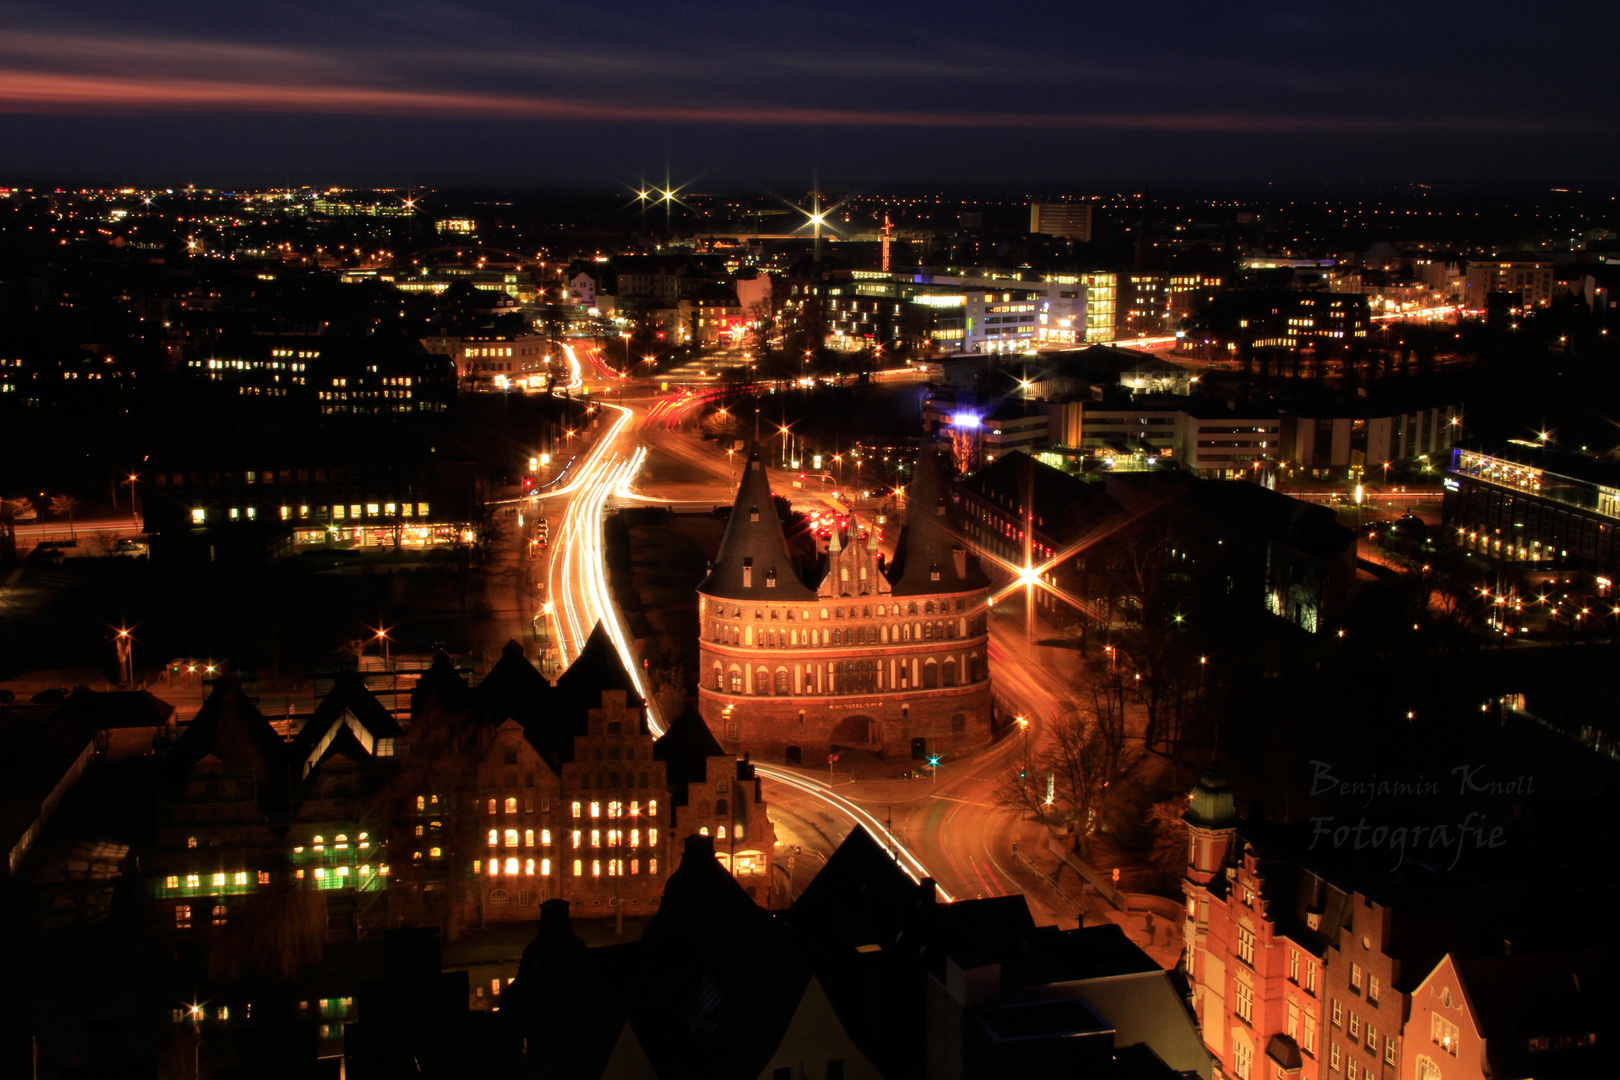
[[947, 827]]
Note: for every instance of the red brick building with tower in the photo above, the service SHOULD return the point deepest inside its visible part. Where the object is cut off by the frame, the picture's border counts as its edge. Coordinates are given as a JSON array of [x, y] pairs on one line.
[[800, 659]]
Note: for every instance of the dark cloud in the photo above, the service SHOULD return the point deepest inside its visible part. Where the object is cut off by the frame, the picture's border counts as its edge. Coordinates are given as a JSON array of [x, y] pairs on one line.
[[959, 90]]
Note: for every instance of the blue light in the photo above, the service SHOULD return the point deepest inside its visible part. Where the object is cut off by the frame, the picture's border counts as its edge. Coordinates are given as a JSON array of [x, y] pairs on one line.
[[965, 419]]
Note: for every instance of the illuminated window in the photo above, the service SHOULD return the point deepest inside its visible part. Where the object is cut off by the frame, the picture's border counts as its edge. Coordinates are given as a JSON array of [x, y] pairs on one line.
[[343, 871], [545, 867], [615, 868], [171, 882], [635, 808], [319, 841], [576, 810], [511, 838], [341, 841], [615, 809], [528, 838], [319, 873], [191, 841], [492, 805], [578, 867], [528, 867], [703, 831], [421, 803], [596, 868], [240, 878], [511, 805], [635, 837], [652, 866], [545, 837], [182, 917], [652, 837], [596, 838], [494, 836], [652, 807], [218, 879], [494, 867], [434, 853], [511, 866], [193, 881], [635, 866], [596, 809]]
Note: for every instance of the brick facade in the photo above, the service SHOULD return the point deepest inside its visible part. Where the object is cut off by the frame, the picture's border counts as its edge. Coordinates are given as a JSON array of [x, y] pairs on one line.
[[892, 660]]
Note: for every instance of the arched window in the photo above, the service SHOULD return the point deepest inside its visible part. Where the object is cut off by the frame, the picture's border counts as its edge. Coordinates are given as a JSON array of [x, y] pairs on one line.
[[219, 914], [762, 681], [720, 833], [498, 898], [838, 637], [721, 808], [318, 841], [928, 631], [435, 853], [719, 676], [511, 805], [928, 608], [950, 672], [748, 635], [783, 683], [511, 837], [930, 674], [736, 679], [905, 632]]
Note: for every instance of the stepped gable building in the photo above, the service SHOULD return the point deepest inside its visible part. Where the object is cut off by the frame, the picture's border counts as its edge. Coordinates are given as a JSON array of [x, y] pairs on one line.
[[717, 794], [798, 662]]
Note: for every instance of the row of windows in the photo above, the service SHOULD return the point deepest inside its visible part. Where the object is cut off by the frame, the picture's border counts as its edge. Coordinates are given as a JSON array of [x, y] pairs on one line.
[[728, 634]]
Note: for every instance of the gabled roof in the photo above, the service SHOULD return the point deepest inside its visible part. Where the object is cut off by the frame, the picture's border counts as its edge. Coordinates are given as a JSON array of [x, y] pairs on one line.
[[754, 540], [562, 1001], [350, 706], [720, 979], [686, 747], [442, 685], [513, 690], [596, 668], [925, 549], [861, 897], [229, 728]]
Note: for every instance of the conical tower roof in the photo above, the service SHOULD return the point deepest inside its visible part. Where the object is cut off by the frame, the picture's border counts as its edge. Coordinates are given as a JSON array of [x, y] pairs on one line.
[[925, 557], [755, 562]]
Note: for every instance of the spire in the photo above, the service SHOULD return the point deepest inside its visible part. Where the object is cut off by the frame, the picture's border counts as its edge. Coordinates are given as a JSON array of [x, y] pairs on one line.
[[835, 545], [927, 559], [755, 562]]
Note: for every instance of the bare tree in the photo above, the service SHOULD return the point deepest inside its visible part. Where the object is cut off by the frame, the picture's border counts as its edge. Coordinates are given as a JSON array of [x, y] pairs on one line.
[[1066, 782], [66, 506]]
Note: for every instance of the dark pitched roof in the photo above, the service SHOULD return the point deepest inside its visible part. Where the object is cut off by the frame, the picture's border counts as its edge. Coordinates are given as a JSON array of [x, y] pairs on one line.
[[861, 897], [562, 1001], [754, 539], [513, 690], [720, 980], [686, 747], [598, 667], [925, 548], [441, 686], [349, 705], [230, 728]]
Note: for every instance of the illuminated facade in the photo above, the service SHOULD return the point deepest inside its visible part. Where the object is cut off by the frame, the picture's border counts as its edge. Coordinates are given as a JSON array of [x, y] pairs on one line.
[[331, 376], [319, 491], [889, 659], [1529, 504]]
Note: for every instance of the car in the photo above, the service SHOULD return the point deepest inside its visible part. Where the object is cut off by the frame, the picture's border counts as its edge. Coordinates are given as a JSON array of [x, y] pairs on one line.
[[6, 696], [53, 696]]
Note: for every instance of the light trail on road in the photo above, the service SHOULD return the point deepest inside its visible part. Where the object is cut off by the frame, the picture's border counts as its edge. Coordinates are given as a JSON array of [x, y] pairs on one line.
[[584, 599]]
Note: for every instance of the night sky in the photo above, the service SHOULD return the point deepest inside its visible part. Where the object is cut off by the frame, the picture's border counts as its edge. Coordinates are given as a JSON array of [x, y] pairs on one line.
[[591, 93]]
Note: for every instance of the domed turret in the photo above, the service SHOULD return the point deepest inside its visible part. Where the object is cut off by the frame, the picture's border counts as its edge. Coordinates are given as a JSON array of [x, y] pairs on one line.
[[1211, 804]]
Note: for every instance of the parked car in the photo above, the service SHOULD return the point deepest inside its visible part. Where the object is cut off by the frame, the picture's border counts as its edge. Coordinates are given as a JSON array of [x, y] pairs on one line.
[[54, 696]]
